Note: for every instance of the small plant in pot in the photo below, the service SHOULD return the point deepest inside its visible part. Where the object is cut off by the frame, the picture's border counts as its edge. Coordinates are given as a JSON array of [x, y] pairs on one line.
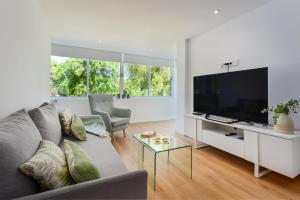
[[124, 94], [282, 114]]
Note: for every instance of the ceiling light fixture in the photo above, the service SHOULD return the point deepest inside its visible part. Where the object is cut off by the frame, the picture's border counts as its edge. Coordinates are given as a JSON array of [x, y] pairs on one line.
[[217, 11], [99, 42]]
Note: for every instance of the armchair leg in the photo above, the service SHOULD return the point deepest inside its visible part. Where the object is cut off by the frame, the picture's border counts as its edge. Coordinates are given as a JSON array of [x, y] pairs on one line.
[[112, 135], [124, 133]]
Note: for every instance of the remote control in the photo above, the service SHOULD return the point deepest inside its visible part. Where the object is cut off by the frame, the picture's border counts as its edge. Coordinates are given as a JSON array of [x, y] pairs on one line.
[[230, 134]]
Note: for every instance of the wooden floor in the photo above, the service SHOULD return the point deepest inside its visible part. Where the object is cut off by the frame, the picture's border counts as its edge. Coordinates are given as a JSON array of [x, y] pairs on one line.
[[216, 174]]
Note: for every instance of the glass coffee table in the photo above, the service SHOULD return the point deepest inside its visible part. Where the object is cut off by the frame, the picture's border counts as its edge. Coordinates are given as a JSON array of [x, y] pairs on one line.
[[156, 148]]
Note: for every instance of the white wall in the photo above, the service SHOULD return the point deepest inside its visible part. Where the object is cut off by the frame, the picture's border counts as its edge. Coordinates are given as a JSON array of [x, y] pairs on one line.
[[181, 95], [24, 56], [143, 109], [268, 36]]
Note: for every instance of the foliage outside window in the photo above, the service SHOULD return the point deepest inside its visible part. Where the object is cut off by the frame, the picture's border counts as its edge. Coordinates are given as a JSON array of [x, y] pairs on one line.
[[104, 77], [68, 76], [161, 78], [136, 80]]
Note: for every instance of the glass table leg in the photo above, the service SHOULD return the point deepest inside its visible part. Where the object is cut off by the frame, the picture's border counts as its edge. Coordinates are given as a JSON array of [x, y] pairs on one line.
[[191, 163], [154, 172], [141, 153], [143, 156]]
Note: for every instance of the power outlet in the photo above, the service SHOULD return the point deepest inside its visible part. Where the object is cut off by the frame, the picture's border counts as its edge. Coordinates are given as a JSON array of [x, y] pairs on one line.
[[235, 63]]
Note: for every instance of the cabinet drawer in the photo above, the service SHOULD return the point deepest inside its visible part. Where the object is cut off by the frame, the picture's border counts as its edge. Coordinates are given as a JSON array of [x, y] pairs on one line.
[[220, 141], [276, 154]]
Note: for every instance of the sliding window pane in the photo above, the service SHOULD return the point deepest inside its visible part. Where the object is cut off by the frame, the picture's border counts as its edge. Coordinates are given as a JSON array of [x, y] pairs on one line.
[[68, 76], [104, 77], [161, 79], [136, 80]]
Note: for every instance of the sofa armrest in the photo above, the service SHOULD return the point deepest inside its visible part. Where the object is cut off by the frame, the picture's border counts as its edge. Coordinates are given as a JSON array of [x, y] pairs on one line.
[[106, 118], [132, 185], [121, 112]]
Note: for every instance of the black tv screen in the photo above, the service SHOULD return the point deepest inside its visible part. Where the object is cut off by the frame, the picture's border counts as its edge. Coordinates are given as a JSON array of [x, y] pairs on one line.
[[238, 95]]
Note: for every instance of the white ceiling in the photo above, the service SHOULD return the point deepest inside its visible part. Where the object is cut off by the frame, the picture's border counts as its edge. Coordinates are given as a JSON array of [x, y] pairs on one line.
[[138, 26]]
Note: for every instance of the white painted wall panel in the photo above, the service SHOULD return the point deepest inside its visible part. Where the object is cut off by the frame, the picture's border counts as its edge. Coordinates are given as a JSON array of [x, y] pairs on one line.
[[24, 56], [143, 109], [265, 37]]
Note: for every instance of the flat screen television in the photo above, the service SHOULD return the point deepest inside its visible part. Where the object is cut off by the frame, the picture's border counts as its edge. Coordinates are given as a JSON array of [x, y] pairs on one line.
[[239, 95]]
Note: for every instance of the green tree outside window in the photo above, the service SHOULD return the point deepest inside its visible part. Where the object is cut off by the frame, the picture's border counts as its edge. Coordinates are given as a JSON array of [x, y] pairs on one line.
[[161, 78], [68, 76], [104, 77], [136, 80]]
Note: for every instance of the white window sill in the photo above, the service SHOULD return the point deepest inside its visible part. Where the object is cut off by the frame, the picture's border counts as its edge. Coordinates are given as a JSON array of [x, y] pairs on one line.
[[85, 98]]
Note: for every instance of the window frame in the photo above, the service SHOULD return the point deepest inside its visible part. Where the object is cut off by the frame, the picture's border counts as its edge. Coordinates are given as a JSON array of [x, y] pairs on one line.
[[122, 65]]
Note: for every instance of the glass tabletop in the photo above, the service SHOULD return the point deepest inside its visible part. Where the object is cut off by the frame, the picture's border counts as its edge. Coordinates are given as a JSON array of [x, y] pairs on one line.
[[173, 143]]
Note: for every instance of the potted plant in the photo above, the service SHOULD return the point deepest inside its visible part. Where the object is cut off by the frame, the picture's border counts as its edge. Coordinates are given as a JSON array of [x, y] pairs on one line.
[[282, 115], [124, 94]]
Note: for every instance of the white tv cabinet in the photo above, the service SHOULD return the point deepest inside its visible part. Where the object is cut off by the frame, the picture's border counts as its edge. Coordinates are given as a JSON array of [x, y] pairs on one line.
[[260, 145]]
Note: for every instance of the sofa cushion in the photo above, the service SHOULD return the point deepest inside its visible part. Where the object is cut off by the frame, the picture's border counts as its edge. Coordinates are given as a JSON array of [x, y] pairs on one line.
[[80, 164], [77, 128], [48, 167], [47, 121], [118, 121], [19, 140], [103, 154]]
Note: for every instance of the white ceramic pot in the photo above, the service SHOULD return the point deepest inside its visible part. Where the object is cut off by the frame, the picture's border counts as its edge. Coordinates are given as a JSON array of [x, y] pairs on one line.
[[285, 124]]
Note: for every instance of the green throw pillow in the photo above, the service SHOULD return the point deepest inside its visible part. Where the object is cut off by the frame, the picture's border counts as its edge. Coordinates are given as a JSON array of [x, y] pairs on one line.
[[65, 118], [80, 164], [77, 128], [72, 125], [48, 167]]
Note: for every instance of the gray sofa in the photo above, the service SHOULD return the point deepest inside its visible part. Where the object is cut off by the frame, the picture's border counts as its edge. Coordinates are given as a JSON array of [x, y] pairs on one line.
[[19, 139]]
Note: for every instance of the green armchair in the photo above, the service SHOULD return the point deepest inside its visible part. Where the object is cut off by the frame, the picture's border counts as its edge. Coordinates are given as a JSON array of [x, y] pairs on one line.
[[115, 119]]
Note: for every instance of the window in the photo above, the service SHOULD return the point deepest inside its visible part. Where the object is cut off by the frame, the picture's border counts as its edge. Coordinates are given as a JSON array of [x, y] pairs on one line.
[[136, 80], [161, 79], [104, 77], [68, 76]]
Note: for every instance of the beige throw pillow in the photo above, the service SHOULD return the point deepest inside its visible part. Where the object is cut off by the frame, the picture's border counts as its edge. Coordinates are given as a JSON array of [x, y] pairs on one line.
[[72, 125]]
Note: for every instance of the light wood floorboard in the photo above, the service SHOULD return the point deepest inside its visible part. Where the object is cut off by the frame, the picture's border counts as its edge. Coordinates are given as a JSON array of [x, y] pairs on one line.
[[216, 174]]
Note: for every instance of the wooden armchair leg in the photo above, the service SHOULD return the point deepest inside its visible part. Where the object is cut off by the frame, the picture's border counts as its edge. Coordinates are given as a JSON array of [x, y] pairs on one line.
[[124, 133]]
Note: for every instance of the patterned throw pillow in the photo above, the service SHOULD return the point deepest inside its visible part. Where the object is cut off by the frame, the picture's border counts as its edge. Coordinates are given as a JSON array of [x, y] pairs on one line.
[[48, 167], [77, 128], [80, 164], [72, 125], [65, 118]]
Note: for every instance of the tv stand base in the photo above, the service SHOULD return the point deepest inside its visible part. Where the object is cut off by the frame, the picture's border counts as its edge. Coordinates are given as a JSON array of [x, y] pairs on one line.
[[257, 144], [259, 174]]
